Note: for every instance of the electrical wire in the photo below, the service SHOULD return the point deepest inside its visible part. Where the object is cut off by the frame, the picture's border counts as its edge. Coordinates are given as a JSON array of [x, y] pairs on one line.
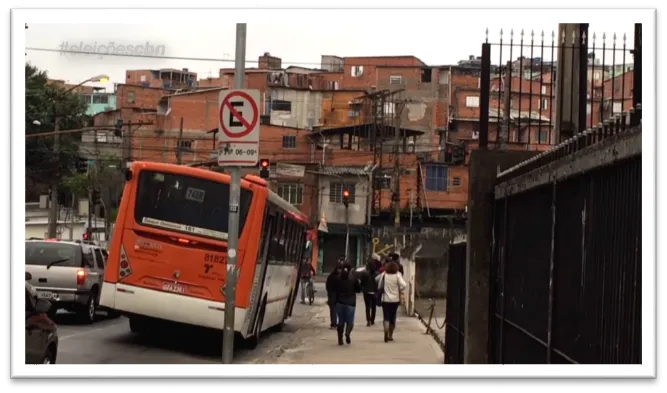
[[376, 62]]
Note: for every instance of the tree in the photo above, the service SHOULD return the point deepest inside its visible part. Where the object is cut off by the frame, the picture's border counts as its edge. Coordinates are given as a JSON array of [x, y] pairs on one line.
[[43, 103], [103, 175]]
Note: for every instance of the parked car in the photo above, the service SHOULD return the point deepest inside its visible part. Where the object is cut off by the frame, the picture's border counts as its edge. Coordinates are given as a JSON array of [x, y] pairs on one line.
[[41, 334], [68, 274]]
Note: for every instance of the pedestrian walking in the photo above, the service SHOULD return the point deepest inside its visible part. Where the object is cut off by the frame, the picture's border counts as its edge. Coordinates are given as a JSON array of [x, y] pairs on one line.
[[390, 290], [378, 262], [347, 286], [306, 272], [331, 292], [369, 288]]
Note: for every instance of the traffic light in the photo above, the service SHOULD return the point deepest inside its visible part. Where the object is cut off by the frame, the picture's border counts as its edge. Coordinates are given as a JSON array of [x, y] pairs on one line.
[[82, 165], [264, 166], [96, 196], [86, 235], [346, 197]]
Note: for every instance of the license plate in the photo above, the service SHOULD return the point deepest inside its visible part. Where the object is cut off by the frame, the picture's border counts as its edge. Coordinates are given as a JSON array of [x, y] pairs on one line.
[[46, 295], [171, 287]]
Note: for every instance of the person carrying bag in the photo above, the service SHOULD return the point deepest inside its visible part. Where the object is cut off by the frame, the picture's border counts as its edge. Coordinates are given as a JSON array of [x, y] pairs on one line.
[[390, 288]]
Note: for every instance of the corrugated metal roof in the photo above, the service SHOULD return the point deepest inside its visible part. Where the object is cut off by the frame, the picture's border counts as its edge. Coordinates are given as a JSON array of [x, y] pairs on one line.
[[342, 170]]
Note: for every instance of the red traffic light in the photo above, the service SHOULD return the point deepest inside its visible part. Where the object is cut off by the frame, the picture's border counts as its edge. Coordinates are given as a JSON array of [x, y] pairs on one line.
[[85, 236], [264, 163]]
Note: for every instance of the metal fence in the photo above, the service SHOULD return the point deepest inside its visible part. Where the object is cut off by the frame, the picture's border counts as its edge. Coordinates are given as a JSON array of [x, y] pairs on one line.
[[519, 85], [566, 254], [455, 312]]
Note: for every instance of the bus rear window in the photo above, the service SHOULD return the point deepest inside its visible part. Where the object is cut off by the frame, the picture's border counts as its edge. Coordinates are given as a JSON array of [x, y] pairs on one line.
[[187, 204]]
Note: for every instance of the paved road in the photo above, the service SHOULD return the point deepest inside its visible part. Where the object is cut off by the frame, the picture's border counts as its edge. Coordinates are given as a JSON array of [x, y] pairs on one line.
[[109, 341]]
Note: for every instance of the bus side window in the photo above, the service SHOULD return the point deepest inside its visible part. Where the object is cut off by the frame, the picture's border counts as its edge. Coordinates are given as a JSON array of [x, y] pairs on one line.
[[273, 241], [301, 243], [297, 242], [290, 239], [282, 249]]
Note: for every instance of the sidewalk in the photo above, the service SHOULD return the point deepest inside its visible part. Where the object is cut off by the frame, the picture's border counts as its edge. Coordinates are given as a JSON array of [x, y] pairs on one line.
[[320, 345]]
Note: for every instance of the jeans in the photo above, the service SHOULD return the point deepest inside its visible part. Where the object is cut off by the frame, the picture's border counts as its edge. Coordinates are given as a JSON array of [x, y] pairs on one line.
[[345, 315], [389, 311], [331, 301], [369, 302], [304, 281]]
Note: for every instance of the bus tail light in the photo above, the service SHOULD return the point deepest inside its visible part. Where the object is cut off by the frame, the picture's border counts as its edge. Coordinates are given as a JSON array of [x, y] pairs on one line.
[[81, 277], [124, 268]]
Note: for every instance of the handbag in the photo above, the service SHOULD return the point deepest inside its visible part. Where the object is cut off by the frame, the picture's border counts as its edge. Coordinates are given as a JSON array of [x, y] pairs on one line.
[[380, 291]]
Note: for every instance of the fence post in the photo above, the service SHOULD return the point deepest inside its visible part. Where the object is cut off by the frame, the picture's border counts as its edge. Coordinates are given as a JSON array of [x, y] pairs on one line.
[[550, 320], [637, 73], [484, 96], [572, 80]]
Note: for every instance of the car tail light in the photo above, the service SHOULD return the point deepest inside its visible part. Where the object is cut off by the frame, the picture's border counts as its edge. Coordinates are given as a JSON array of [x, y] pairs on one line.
[[124, 268], [81, 277]]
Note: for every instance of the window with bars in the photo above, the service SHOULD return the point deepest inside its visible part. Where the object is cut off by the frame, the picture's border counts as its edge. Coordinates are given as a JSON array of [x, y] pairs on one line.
[[291, 192], [395, 79], [436, 177], [336, 192], [289, 141]]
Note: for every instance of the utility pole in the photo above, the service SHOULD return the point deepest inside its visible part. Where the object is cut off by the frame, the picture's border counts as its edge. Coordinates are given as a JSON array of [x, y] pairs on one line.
[[397, 171], [53, 212], [233, 225], [127, 145], [507, 104], [178, 147]]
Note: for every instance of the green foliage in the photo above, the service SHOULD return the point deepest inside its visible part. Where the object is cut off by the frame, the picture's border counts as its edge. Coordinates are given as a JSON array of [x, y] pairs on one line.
[[43, 102], [77, 184]]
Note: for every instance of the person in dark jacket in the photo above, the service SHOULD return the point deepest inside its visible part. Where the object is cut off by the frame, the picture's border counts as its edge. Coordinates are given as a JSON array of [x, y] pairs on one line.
[[331, 293], [347, 286], [369, 288], [394, 257]]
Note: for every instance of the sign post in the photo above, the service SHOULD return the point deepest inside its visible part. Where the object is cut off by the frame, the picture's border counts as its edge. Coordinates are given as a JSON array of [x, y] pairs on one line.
[[239, 128], [239, 146]]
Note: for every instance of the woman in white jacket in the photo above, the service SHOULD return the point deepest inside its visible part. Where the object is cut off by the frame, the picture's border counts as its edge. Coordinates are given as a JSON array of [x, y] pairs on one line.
[[391, 285]]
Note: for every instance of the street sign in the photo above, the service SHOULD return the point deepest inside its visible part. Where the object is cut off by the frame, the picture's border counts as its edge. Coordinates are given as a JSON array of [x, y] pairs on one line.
[[238, 128], [289, 170]]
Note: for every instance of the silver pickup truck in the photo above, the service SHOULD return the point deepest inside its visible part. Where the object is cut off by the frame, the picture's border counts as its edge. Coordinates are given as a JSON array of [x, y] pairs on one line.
[[68, 274]]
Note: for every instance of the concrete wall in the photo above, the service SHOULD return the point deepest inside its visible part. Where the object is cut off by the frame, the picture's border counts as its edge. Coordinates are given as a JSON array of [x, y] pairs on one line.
[[335, 212]]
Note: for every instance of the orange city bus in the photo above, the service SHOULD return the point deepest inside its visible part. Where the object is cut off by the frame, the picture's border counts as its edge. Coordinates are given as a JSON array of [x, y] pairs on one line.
[[168, 256]]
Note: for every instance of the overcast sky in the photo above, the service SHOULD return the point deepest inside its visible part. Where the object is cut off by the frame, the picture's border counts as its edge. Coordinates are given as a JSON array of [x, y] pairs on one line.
[[295, 43]]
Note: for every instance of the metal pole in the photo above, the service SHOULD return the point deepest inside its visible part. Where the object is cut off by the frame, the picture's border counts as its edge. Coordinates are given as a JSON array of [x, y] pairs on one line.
[[53, 212], [180, 139], [397, 176], [347, 234], [233, 226], [411, 199], [507, 105]]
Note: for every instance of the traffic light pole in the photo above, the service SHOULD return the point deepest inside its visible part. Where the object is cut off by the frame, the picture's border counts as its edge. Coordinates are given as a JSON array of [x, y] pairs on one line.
[[233, 225], [347, 233]]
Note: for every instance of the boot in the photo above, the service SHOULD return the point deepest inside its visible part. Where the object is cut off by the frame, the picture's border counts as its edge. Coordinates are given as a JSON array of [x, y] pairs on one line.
[[348, 330], [340, 334], [392, 326], [385, 324]]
